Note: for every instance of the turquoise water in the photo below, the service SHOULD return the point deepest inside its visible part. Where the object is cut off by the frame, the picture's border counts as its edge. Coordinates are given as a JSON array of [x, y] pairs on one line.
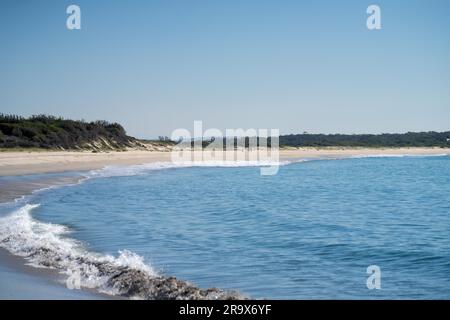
[[310, 231]]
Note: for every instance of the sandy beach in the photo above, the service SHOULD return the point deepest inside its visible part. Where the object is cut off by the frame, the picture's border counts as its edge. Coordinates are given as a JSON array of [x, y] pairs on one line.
[[21, 163], [41, 169], [34, 162]]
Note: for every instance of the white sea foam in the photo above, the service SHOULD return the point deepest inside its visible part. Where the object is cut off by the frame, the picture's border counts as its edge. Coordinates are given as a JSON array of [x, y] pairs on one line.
[[48, 245], [131, 170], [113, 171]]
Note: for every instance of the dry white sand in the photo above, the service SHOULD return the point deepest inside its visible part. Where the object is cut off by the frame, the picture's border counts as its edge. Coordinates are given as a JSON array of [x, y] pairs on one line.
[[20, 163]]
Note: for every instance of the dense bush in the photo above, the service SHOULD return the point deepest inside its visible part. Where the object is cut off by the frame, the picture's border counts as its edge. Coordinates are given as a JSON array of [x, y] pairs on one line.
[[410, 139], [42, 131]]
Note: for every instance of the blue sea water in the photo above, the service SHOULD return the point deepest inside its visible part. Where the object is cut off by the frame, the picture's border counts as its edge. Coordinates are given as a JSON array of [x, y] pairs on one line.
[[308, 232]]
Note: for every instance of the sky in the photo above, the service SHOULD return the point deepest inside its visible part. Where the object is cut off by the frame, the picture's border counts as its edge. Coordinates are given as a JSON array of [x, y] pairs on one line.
[[158, 65]]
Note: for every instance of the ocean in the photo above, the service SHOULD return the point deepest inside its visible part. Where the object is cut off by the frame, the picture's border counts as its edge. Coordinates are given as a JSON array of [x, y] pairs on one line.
[[309, 232]]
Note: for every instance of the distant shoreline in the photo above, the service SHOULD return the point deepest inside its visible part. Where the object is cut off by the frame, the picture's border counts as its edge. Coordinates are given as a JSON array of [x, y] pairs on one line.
[[13, 163]]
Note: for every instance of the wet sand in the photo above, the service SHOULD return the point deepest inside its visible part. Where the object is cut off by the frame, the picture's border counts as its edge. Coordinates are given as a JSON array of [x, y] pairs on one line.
[[20, 281], [34, 162], [12, 188]]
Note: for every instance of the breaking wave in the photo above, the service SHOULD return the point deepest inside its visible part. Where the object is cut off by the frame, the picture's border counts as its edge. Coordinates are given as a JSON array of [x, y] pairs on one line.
[[112, 171], [48, 245]]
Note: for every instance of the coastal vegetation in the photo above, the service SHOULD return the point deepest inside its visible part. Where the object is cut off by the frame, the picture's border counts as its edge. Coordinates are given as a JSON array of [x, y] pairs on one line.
[[385, 140], [390, 140], [49, 132]]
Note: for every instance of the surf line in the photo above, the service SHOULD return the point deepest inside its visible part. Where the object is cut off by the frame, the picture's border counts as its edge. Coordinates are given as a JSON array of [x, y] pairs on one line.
[[191, 310]]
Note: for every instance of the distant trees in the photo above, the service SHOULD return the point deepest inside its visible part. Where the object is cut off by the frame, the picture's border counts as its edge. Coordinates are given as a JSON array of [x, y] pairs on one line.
[[410, 139], [164, 138]]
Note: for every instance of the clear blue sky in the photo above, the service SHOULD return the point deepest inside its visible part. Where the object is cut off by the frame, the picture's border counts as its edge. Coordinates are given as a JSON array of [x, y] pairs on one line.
[[158, 65]]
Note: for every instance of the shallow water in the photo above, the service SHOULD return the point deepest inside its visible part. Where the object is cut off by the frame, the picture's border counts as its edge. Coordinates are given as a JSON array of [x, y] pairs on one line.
[[308, 232]]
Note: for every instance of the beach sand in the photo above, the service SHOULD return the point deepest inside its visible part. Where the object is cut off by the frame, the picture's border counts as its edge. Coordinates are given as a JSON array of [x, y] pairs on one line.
[[20, 163], [34, 162], [14, 187]]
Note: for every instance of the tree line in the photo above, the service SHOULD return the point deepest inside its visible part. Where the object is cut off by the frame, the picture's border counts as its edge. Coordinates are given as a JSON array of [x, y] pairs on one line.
[[49, 132], [409, 139]]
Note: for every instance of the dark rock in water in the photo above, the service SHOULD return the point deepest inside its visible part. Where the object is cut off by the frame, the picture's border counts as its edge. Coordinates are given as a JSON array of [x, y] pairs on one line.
[[129, 282], [135, 283], [107, 274]]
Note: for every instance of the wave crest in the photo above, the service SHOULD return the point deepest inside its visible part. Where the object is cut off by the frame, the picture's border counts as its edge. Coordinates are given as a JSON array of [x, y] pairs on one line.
[[47, 245], [131, 170]]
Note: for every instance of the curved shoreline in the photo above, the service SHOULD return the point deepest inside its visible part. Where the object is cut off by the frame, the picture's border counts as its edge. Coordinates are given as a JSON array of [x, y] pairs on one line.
[[45, 247], [14, 188], [36, 257], [134, 283], [36, 162]]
